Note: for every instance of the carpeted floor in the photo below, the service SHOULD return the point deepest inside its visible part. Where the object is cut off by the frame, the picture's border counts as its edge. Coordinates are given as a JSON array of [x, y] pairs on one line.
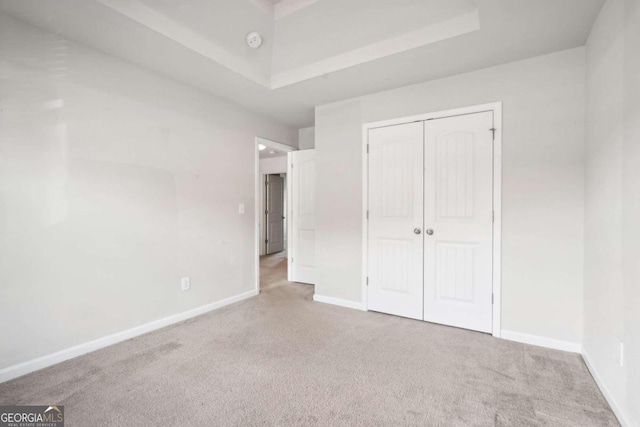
[[281, 359]]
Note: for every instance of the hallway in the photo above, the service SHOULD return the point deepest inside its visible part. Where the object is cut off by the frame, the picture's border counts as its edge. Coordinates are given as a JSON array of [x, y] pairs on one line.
[[273, 270]]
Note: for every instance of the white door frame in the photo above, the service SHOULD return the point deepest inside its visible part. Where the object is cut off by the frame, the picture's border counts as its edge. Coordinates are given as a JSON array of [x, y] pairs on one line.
[[496, 108], [256, 199]]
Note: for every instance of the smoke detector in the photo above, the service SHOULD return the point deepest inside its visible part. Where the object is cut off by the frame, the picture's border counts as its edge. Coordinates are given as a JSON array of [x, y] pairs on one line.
[[254, 40]]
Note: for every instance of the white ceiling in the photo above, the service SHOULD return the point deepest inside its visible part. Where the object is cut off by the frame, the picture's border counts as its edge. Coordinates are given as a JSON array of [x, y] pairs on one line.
[[314, 51]]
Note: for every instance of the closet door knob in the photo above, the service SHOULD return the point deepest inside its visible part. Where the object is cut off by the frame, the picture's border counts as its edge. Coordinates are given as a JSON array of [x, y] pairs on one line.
[[417, 230], [429, 231]]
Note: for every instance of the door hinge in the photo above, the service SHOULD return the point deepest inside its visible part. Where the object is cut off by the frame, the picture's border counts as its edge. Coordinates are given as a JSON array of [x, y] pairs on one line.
[[266, 240], [493, 132], [367, 148], [492, 299], [367, 280], [266, 212], [493, 216], [367, 215], [291, 260]]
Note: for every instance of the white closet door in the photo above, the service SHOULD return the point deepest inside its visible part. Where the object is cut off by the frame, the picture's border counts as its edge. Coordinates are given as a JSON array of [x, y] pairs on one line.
[[459, 209], [303, 217], [395, 220]]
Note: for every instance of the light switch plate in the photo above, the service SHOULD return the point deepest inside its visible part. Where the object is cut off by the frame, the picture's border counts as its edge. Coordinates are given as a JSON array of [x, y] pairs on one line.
[[185, 283]]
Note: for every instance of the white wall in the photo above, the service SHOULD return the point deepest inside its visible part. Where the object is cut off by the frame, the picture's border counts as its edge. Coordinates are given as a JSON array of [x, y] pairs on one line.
[[271, 165], [612, 207], [307, 138], [543, 170], [114, 183], [631, 212]]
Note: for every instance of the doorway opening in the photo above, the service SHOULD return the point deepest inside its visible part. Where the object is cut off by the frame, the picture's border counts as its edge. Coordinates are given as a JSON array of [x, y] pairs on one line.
[[271, 213], [273, 259], [275, 207]]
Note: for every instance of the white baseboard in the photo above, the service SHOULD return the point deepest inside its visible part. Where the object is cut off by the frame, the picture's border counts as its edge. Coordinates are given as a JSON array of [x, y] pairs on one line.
[[340, 302], [24, 368], [624, 422], [569, 346]]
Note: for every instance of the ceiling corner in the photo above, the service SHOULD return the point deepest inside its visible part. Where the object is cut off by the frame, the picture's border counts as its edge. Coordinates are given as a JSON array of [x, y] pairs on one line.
[[287, 7]]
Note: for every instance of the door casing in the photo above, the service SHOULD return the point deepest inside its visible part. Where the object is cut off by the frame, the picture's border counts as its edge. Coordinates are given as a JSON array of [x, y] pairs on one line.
[[496, 108]]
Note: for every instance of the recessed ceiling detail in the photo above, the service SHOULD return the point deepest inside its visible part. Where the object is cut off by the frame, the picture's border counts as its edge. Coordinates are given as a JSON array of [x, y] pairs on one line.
[[280, 8], [287, 7], [323, 51], [156, 21], [453, 27], [301, 51]]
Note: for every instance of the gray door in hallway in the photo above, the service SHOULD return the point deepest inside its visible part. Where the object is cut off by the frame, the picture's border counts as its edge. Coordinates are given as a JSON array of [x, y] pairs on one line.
[[274, 213]]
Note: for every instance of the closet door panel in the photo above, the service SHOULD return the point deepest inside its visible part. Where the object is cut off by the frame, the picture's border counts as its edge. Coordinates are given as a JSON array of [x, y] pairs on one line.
[[395, 238], [458, 248]]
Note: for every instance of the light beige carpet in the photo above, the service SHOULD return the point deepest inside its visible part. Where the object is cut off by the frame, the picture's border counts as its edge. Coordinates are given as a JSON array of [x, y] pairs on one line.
[[281, 359]]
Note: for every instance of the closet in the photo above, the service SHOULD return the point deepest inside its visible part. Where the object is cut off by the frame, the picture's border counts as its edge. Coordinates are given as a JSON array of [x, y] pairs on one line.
[[430, 220]]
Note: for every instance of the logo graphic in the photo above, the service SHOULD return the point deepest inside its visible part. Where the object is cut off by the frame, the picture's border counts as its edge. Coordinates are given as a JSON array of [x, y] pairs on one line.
[[32, 416]]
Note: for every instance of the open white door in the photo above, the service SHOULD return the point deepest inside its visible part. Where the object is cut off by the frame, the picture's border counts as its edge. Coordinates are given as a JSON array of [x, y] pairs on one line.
[[302, 223], [458, 254], [274, 213], [396, 220]]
